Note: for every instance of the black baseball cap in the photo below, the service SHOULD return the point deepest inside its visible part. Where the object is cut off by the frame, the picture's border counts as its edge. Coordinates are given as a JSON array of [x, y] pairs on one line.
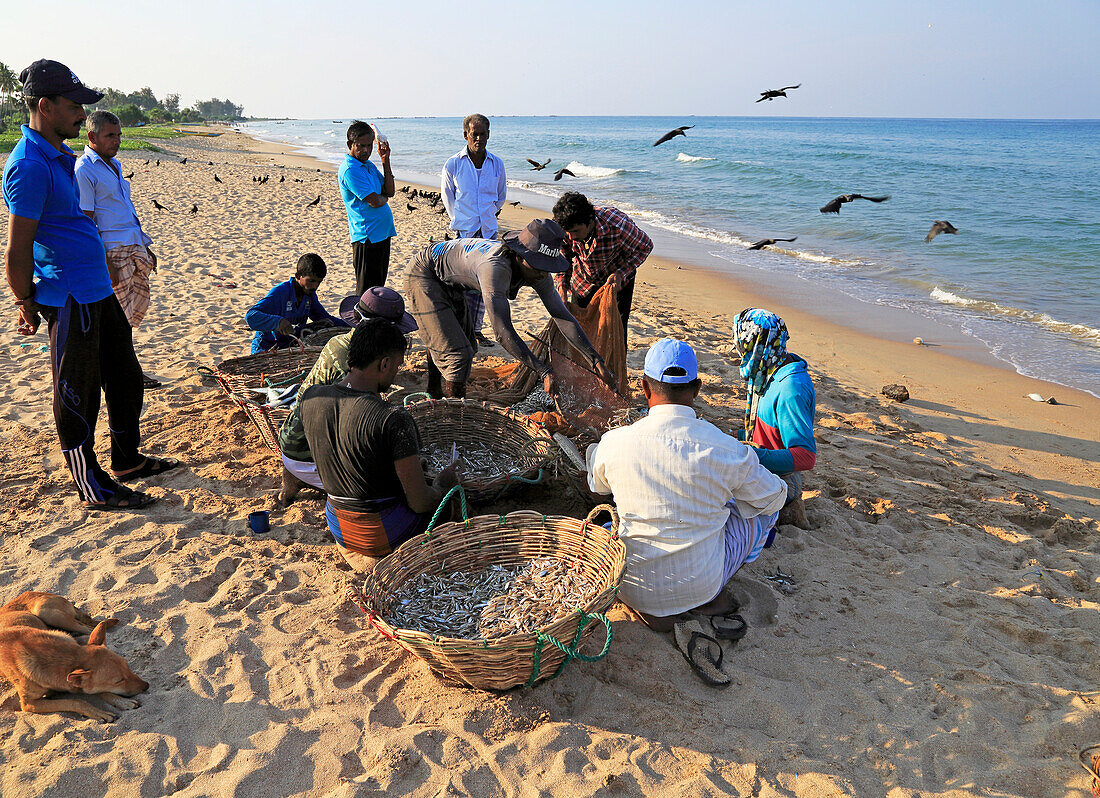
[[45, 78], [539, 243]]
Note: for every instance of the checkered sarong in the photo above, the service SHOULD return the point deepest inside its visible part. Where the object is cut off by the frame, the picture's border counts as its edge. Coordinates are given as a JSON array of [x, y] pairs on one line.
[[130, 267]]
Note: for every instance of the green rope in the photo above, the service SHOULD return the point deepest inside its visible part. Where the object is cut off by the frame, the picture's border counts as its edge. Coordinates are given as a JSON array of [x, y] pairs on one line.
[[297, 377], [410, 396], [521, 478], [569, 651], [205, 371], [443, 505]]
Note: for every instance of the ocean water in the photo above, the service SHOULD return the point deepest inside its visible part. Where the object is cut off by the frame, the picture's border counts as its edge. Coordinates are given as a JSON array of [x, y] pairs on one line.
[[1022, 276]]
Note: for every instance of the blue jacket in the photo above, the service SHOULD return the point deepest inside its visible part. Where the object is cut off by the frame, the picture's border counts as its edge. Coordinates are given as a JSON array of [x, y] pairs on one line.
[[282, 302], [784, 431]]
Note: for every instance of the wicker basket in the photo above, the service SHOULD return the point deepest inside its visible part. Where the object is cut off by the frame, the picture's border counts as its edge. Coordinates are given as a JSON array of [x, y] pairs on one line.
[[519, 659], [240, 375], [522, 443], [268, 420], [319, 338]]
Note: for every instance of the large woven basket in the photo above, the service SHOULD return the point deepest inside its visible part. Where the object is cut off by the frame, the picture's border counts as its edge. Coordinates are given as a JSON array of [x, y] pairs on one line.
[[239, 375], [524, 445], [519, 659]]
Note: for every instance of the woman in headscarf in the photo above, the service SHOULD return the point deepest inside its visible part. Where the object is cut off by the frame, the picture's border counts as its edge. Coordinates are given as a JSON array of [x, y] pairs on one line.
[[779, 409]]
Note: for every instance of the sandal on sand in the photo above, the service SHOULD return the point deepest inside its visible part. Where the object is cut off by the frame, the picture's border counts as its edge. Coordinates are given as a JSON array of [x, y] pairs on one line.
[[148, 383], [150, 468], [121, 502], [687, 636], [729, 627]]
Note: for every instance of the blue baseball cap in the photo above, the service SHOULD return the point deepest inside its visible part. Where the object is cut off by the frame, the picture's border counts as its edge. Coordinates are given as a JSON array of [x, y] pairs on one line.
[[672, 362]]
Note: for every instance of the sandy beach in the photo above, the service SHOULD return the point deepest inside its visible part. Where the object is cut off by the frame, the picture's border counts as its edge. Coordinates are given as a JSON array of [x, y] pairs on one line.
[[941, 642]]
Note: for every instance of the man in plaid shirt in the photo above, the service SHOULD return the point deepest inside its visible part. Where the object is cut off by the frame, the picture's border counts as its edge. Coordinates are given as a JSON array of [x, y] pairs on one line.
[[604, 247]]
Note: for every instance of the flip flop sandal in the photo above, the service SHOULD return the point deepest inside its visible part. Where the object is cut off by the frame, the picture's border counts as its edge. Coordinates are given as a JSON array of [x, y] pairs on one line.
[[708, 668], [150, 468], [148, 383], [729, 627], [134, 500]]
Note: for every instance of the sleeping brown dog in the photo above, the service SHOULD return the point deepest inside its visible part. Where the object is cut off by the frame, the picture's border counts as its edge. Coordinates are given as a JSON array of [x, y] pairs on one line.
[[39, 661], [52, 610]]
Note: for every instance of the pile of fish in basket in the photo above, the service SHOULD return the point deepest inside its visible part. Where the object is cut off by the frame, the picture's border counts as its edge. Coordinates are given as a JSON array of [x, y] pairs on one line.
[[499, 601]]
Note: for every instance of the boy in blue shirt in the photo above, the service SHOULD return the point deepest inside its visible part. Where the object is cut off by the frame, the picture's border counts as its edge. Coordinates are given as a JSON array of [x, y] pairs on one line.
[[289, 306]]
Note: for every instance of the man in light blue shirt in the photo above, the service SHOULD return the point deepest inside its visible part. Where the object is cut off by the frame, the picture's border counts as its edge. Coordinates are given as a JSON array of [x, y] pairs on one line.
[[105, 199], [366, 192], [57, 268], [474, 188]]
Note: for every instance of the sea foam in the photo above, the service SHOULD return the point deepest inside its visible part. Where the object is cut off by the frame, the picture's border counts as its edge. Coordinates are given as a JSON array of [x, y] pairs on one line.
[[1078, 331], [683, 157], [580, 170]]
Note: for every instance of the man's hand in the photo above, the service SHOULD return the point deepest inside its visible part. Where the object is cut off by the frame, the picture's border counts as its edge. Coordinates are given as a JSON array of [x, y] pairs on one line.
[[29, 320], [548, 383], [285, 327], [152, 257], [615, 281], [605, 374], [384, 152], [563, 292], [447, 478]]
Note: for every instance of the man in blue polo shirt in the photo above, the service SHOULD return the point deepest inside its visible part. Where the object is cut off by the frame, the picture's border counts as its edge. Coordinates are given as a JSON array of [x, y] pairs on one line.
[[366, 192], [57, 269]]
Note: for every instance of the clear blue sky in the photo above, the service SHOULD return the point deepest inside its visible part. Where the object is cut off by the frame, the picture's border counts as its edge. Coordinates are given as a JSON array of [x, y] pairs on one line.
[[334, 58]]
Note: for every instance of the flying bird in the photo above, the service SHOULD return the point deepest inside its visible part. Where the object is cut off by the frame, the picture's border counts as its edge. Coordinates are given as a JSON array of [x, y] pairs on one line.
[[834, 205], [129, 176], [315, 202], [158, 206], [563, 171], [183, 162], [216, 178], [538, 166], [673, 134], [194, 209], [410, 206], [940, 226], [771, 94], [767, 242]]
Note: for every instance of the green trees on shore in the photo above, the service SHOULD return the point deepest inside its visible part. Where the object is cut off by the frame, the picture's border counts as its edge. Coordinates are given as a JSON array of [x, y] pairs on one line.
[[132, 108]]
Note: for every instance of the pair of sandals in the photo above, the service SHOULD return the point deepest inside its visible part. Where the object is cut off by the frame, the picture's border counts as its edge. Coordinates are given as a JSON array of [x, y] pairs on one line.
[[128, 500], [701, 646]]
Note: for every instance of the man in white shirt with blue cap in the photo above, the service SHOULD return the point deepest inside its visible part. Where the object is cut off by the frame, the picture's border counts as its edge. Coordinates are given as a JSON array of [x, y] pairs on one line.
[[694, 503]]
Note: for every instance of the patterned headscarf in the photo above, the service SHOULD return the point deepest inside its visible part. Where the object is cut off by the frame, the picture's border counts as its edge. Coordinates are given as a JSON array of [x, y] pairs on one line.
[[762, 338]]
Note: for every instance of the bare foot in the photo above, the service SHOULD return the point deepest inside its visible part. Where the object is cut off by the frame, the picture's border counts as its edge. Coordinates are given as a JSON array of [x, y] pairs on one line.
[[291, 486]]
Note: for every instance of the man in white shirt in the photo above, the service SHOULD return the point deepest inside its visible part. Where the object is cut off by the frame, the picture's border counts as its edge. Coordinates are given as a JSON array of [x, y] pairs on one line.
[[105, 199], [694, 503], [474, 188]]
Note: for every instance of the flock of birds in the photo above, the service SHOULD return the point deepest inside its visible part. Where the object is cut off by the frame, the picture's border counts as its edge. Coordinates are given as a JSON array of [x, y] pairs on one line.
[[832, 206], [194, 209]]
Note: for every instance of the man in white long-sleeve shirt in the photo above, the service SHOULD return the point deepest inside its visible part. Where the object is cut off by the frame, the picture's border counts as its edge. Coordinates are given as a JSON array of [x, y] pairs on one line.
[[694, 503], [474, 187]]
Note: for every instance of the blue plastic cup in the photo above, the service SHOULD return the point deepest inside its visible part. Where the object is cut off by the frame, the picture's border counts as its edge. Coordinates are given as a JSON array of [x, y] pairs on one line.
[[258, 522]]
